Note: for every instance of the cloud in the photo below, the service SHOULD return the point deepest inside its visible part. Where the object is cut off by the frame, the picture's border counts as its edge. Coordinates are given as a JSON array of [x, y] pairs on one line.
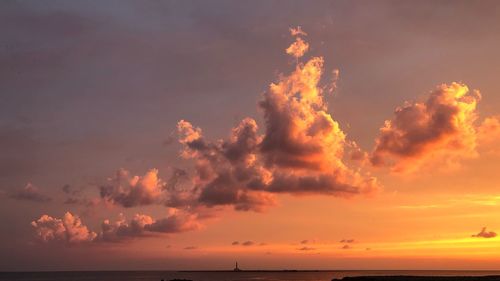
[[130, 191], [301, 151], [298, 48], [70, 190], [347, 241], [485, 234], [235, 243], [489, 130], [68, 230], [306, 249], [334, 80], [30, 193], [225, 168], [441, 129], [143, 225], [248, 243], [82, 201], [304, 241], [297, 31], [190, 248], [346, 247], [71, 230]]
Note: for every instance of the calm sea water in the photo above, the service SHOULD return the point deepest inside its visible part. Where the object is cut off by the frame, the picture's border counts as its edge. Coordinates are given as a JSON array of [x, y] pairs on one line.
[[217, 276]]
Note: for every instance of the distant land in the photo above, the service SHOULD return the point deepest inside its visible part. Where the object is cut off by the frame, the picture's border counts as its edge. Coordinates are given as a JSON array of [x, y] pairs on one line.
[[420, 278]]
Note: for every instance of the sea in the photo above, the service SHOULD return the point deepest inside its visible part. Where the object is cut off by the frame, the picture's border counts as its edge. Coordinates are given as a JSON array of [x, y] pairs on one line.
[[221, 275]]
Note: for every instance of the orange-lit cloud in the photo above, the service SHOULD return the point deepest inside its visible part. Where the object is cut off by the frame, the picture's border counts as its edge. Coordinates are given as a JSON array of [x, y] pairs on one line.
[[440, 128], [489, 130], [224, 169], [297, 31], [301, 151], [298, 48], [143, 225], [68, 230], [71, 230], [130, 191]]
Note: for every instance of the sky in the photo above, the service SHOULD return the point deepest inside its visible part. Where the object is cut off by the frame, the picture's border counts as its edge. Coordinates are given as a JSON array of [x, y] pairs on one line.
[[279, 134]]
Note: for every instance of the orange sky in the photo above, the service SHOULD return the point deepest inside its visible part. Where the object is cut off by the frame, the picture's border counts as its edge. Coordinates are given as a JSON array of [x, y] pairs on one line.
[[303, 178]]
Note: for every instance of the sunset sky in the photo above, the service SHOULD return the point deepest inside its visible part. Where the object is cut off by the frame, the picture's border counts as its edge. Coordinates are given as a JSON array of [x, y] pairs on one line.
[[279, 134]]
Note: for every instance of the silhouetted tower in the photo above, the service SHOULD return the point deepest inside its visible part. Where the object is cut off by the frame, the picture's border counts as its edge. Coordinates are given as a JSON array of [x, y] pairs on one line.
[[236, 268]]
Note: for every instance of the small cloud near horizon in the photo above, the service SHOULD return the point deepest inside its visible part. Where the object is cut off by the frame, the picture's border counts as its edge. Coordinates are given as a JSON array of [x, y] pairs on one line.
[[347, 241], [485, 234]]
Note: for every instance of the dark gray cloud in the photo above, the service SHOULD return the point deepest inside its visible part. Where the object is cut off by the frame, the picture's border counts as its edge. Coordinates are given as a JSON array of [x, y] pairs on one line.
[[347, 241], [30, 193], [248, 243]]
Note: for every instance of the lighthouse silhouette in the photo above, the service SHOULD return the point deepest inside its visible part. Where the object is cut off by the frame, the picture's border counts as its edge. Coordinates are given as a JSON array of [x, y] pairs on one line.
[[236, 268]]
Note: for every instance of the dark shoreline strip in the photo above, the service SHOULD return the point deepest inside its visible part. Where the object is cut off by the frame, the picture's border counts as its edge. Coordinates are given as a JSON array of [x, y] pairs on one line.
[[421, 278]]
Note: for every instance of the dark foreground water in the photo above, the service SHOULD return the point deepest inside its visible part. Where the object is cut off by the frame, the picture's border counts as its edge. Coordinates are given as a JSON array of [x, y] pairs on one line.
[[219, 276]]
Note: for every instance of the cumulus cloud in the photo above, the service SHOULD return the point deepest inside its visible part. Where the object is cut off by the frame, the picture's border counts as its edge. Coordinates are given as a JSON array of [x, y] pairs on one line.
[[68, 230], [131, 191], [71, 230], [301, 151], [224, 169], [485, 234], [30, 193], [439, 128], [144, 225]]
